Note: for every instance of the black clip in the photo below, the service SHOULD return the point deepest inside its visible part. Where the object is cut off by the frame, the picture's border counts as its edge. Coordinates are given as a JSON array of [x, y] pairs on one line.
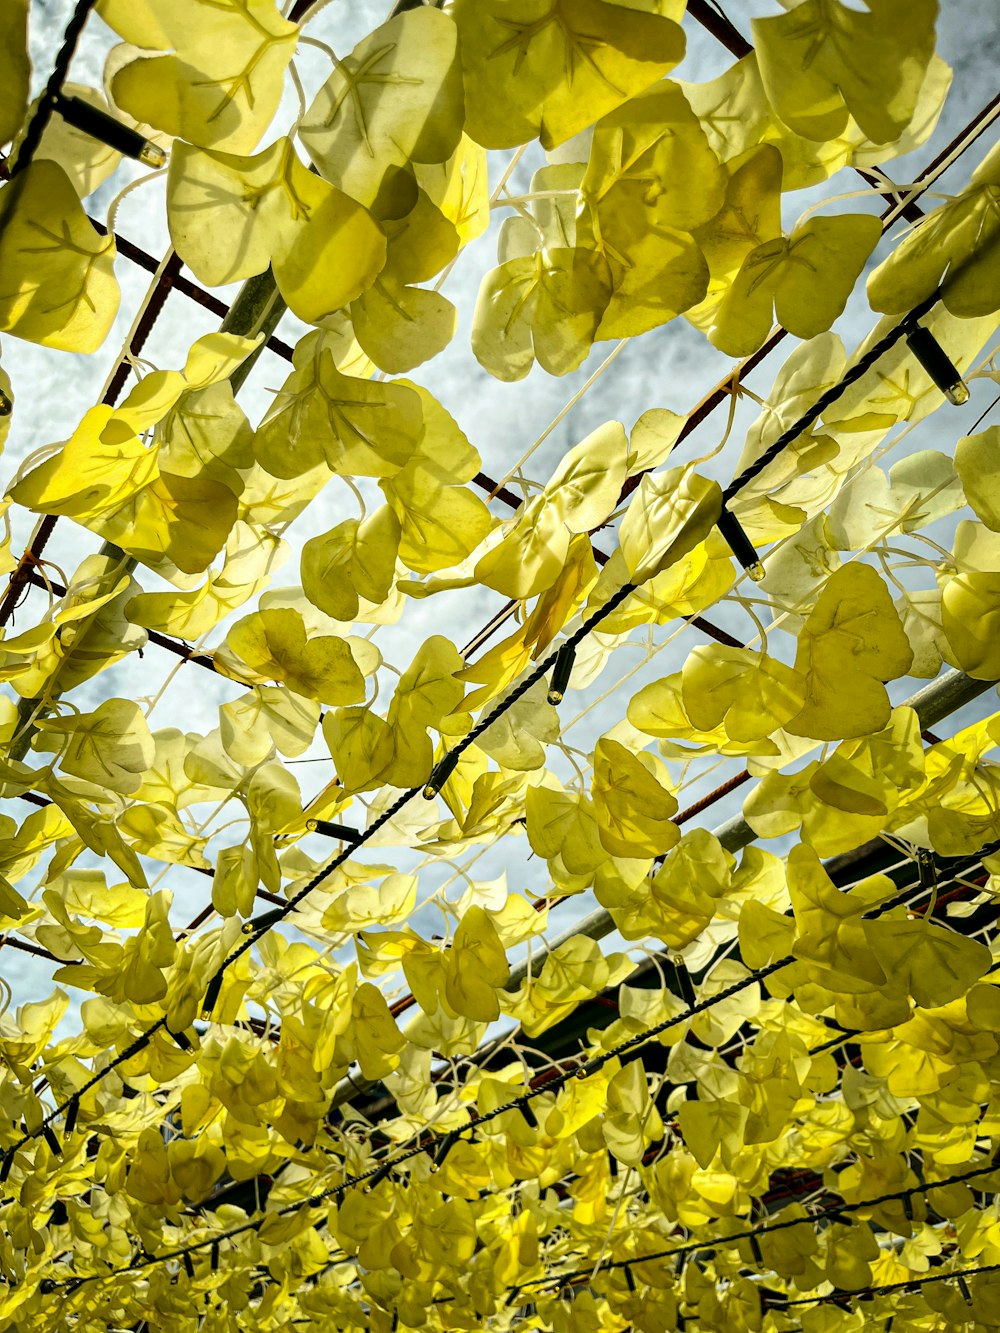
[[561, 672], [444, 1147], [527, 1110], [441, 772], [927, 868], [684, 981], [376, 1179], [591, 1066], [740, 544], [106, 129], [938, 364], [212, 995], [259, 925], [72, 1111], [341, 832]]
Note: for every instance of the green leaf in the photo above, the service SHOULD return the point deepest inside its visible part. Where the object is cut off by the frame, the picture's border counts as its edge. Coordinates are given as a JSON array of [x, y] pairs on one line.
[[206, 434], [806, 278], [439, 524], [427, 692], [545, 307], [112, 746], [817, 63], [394, 101], [669, 515], [551, 69], [657, 268], [977, 462], [250, 555], [184, 520], [400, 326], [272, 713], [57, 282], [750, 214], [274, 645], [361, 744], [655, 137], [549, 218], [970, 617], [852, 641], [353, 425], [222, 83], [580, 496], [631, 1121], [957, 248], [634, 809], [709, 1126], [750, 694], [230, 217], [564, 824], [15, 71], [355, 559], [934, 964]]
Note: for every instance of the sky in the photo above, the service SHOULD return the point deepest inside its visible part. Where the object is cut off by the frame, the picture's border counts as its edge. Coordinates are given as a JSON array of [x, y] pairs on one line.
[[672, 367]]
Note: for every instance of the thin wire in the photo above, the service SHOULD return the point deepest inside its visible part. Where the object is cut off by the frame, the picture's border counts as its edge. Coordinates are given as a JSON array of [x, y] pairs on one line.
[[560, 416], [382, 1168], [541, 670], [984, 414], [867, 1292], [825, 400], [754, 1233]]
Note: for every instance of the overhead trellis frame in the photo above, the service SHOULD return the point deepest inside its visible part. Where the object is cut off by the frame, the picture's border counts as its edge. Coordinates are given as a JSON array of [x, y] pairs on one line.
[[445, 766], [257, 931]]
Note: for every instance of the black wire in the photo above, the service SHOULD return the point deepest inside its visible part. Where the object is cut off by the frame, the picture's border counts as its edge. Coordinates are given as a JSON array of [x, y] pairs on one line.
[[716, 1242], [47, 102], [24, 156], [866, 1293], [543, 668], [382, 1168], [984, 414], [825, 400], [788, 437]]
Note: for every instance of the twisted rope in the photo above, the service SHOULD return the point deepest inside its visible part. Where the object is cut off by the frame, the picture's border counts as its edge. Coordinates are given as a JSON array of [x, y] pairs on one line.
[[50, 96]]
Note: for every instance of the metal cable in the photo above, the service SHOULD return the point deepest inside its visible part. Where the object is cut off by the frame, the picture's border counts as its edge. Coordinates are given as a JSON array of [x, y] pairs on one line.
[[825, 400], [787, 438], [381, 1169]]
